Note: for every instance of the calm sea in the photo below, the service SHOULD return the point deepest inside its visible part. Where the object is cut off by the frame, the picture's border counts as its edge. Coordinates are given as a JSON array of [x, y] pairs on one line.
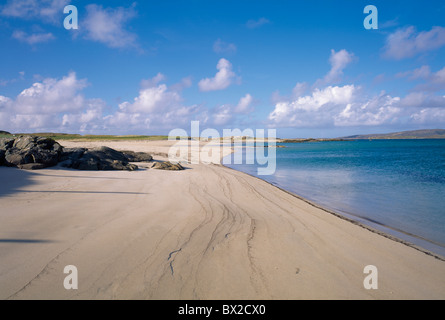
[[397, 186]]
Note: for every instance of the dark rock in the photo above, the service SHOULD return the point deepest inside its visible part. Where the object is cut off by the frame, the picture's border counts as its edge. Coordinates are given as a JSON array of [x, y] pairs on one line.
[[72, 154], [29, 152], [15, 156], [6, 143], [47, 157], [86, 164], [28, 149], [24, 142], [48, 144], [167, 166], [103, 158], [106, 153], [137, 156]]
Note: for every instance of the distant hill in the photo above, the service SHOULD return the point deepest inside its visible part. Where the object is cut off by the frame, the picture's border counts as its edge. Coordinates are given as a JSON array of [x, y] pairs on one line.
[[4, 132], [414, 134]]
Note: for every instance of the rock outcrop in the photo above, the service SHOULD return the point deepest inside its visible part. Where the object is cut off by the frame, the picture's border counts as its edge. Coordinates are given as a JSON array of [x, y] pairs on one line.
[[25, 150], [31, 153], [102, 158], [137, 156]]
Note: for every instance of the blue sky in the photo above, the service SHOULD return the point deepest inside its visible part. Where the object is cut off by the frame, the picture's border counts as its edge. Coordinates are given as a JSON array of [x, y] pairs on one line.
[[306, 68]]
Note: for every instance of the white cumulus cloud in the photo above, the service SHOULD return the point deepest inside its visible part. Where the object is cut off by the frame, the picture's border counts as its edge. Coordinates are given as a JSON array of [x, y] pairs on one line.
[[342, 106], [222, 79], [58, 105], [50, 105], [245, 104], [156, 107], [339, 61], [152, 99]]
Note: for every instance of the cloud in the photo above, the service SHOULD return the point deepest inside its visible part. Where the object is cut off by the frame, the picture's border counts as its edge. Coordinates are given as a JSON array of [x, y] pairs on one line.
[[223, 78], [149, 83], [426, 116], [244, 105], [439, 77], [378, 110], [59, 105], [433, 81], [223, 47], [343, 106], [46, 10], [183, 84], [152, 99], [420, 73], [253, 24], [298, 90], [222, 115], [51, 96], [21, 76], [156, 107], [307, 110], [107, 26], [349, 105], [32, 39], [407, 42], [47, 106], [389, 23], [339, 61]]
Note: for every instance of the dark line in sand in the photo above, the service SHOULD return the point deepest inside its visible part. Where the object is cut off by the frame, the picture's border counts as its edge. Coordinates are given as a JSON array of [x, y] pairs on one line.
[[25, 241], [170, 255], [171, 262]]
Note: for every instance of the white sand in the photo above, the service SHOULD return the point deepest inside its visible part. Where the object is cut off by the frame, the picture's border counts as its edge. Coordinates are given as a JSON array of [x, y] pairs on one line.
[[208, 232]]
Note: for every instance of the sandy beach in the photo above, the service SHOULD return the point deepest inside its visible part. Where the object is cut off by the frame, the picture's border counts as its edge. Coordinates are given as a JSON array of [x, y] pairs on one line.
[[208, 232]]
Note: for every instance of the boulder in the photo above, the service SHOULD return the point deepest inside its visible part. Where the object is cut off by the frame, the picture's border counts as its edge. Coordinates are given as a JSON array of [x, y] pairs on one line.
[[48, 144], [47, 157], [137, 156], [15, 156], [29, 149], [167, 165], [103, 158], [107, 153], [72, 154]]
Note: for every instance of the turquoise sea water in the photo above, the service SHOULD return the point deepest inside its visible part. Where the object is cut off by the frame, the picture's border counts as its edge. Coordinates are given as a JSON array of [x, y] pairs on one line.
[[397, 186]]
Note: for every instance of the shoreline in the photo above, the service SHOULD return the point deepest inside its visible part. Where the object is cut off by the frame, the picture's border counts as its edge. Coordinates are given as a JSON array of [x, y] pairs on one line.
[[343, 216], [225, 236], [417, 242]]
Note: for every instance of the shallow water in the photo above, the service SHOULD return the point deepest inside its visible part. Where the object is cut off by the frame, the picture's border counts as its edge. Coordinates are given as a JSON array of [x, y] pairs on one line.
[[399, 184]]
